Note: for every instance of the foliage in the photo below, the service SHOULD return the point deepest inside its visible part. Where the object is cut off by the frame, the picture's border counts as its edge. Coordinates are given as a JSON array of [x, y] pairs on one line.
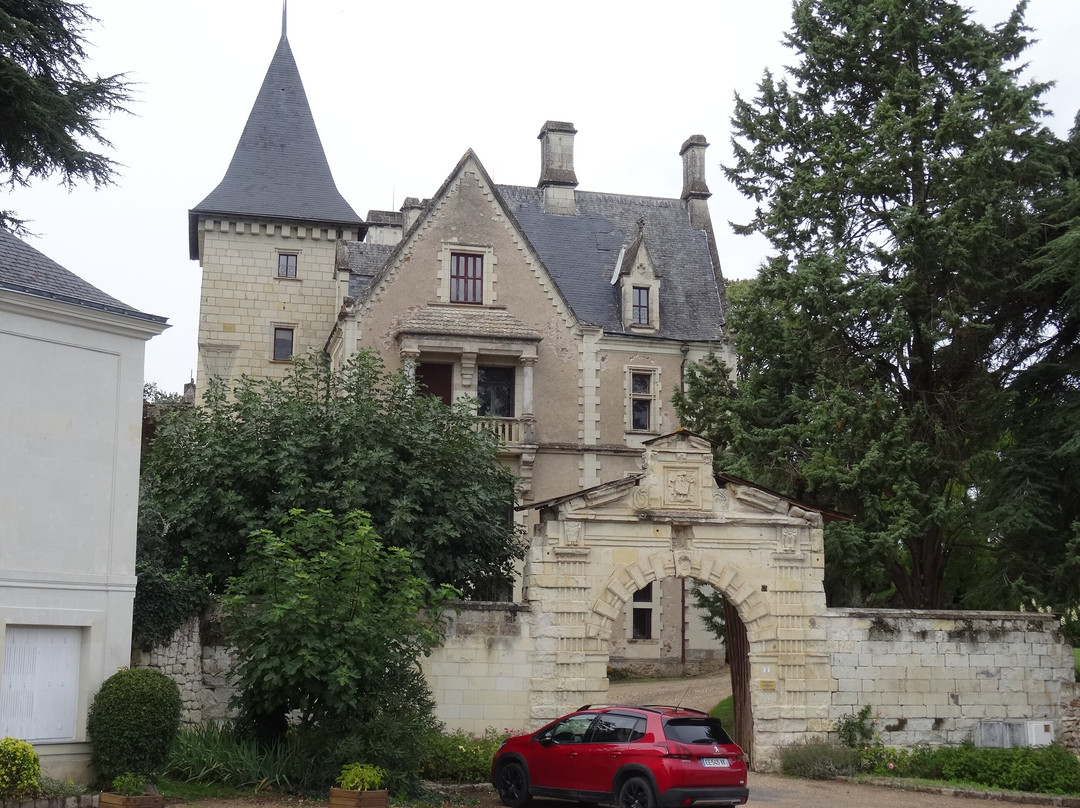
[[391, 730], [858, 729], [361, 777], [460, 757], [725, 711], [907, 186], [129, 785], [50, 107], [710, 605], [50, 787], [20, 769], [358, 438], [132, 722], [818, 760], [164, 599], [321, 618], [1048, 769], [1076, 653], [218, 753]]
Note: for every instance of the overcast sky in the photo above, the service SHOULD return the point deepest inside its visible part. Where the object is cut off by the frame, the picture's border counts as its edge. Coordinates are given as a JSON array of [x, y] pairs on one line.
[[400, 90]]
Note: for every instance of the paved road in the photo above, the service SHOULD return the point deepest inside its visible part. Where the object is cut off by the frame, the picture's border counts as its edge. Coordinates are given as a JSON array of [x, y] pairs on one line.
[[783, 792]]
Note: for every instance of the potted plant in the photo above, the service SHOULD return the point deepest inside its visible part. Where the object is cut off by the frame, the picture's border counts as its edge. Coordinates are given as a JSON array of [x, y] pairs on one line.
[[130, 791], [360, 785]]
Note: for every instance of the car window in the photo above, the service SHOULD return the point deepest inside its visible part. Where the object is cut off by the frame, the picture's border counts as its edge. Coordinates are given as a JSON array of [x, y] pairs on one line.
[[696, 730], [616, 728], [571, 729]]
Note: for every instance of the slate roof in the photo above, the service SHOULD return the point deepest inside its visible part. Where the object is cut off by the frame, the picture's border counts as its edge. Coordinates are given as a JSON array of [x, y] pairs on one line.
[[581, 252], [24, 269], [279, 169], [364, 262]]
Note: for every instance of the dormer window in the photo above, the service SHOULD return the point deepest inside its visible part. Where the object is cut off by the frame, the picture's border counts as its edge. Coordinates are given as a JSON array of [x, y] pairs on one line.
[[466, 278], [641, 305]]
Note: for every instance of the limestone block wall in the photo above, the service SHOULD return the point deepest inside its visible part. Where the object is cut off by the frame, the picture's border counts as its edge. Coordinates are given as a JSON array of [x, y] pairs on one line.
[[242, 299], [481, 676], [933, 676]]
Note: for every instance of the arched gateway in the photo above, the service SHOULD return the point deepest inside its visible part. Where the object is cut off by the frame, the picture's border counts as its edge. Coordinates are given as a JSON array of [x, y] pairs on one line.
[[593, 549]]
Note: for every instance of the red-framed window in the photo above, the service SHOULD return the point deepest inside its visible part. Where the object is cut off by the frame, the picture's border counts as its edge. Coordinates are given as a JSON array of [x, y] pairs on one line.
[[466, 278]]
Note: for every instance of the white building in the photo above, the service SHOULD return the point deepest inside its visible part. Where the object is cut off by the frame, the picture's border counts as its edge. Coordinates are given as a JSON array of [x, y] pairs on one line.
[[71, 376]]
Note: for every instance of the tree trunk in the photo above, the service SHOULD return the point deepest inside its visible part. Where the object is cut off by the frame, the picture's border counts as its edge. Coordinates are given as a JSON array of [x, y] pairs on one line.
[[738, 648]]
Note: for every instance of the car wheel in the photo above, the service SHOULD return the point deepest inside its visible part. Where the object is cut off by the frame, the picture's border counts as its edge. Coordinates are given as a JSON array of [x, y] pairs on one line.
[[636, 793], [513, 785]]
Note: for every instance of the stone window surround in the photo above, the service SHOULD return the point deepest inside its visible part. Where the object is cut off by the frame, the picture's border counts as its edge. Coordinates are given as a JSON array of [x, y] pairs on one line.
[[273, 341], [643, 277], [654, 396], [280, 251], [486, 252]]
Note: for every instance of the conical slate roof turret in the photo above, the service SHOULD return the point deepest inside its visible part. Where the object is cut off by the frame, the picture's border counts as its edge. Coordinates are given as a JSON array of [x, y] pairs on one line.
[[279, 169]]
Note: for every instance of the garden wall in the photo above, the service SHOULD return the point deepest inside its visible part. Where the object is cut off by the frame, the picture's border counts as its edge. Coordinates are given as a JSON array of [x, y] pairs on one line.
[[932, 677]]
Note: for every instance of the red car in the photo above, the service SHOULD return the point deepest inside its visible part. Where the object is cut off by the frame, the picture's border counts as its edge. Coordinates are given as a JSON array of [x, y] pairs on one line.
[[632, 757]]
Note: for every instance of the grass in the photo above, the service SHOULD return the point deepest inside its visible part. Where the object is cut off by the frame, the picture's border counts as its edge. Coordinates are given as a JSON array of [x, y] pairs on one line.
[[725, 711], [192, 791]]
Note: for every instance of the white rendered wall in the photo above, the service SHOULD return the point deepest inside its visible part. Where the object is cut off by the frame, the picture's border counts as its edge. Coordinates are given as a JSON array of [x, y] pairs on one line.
[[70, 428]]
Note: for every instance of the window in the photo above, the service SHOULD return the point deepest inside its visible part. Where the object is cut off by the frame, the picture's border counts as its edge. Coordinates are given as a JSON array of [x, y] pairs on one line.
[[642, 397], [283, 344], [286, 265], [641, 305], [39, 701], [466, 278], [643, 614], [495, 391]]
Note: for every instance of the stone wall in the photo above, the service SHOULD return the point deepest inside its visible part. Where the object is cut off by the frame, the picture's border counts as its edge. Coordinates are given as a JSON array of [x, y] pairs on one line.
[[932, 677], [482, 676], [196, 660]]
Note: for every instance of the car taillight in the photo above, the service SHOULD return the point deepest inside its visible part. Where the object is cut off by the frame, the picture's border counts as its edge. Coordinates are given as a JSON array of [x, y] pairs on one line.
[[677, 751]]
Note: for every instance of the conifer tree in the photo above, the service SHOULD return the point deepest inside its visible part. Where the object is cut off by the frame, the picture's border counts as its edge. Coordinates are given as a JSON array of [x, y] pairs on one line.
[[901, 171]]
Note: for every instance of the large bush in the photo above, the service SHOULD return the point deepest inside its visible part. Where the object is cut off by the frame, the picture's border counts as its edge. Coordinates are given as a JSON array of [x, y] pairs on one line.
[[132, 722], [20, 769]]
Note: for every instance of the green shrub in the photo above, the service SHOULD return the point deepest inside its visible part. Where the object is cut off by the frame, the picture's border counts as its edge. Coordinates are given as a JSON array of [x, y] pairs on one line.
[[857, 729], [1046, 769], [129, 785], [460, 757], [20, 769], [164, 599], [819, 760], [217, 753], [132, 722], [361, 777]]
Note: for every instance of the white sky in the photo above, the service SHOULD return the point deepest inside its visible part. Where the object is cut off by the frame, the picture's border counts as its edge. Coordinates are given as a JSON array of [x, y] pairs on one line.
[[400, 90]]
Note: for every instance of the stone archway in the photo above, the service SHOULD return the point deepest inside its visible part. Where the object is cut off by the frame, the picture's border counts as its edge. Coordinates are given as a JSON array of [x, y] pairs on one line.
[[594, 548]]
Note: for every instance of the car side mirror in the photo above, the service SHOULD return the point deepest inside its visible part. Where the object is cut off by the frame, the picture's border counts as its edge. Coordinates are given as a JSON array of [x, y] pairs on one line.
[[546, 740]]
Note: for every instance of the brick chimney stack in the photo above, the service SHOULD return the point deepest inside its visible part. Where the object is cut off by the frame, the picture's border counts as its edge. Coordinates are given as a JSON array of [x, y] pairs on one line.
[[557, 177]]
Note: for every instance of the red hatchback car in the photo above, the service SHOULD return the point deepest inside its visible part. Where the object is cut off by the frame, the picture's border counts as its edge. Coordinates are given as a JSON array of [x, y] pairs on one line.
[[632, 757]]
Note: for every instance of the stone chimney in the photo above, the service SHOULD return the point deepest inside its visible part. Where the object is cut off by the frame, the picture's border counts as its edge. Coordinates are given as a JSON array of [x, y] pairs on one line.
[[411, 209], [695, 191], [557, 178]]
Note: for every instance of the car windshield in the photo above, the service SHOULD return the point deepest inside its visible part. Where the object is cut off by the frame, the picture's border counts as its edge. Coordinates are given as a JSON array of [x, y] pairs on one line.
[[696, 730]]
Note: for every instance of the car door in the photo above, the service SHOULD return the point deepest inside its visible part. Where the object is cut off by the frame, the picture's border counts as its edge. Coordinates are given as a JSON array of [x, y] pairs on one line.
[[608, 747], [557, 760]]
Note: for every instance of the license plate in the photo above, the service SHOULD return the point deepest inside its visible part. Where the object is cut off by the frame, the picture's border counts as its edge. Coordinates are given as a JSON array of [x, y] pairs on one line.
[[722, 763]]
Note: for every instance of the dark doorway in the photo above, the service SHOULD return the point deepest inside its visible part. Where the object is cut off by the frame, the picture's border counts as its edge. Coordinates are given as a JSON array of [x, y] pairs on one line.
[[436, 380]]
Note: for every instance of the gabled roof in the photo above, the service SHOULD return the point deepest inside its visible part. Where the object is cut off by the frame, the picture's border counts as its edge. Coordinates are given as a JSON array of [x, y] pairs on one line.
[[580, 252], [279, 169], [23, 269]]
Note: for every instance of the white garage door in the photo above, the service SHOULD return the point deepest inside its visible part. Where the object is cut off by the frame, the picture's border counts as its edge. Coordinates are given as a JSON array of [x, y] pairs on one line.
[[39, 685]]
